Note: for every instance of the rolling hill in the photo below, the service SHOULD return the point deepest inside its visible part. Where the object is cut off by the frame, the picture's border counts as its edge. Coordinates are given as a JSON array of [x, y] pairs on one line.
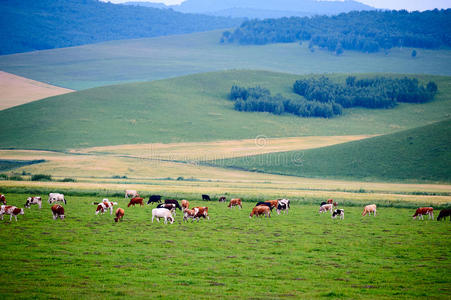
[[171, 56], [419, 154], [191, 109]]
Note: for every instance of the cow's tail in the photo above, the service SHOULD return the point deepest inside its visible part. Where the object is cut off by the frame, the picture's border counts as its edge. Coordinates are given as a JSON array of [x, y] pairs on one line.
[[95, 203]]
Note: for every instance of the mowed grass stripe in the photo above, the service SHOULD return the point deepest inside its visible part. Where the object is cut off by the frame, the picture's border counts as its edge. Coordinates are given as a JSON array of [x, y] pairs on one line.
[[230, 256]]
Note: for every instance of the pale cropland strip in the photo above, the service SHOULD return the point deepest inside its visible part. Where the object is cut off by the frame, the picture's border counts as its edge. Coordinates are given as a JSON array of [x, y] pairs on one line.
[[16, 90]]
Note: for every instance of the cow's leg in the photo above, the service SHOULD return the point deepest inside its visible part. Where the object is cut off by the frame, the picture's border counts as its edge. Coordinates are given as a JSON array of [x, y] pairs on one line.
[[10, 217], [165, 220]]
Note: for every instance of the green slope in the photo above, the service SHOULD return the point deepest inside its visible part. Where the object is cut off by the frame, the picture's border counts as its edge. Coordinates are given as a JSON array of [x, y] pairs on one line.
[[191, 108], [164, 57], [417, 154]]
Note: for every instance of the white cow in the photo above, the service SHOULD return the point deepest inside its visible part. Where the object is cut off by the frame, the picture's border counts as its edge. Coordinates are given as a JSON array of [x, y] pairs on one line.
[[131, 193], [55, 197], [162, 213]]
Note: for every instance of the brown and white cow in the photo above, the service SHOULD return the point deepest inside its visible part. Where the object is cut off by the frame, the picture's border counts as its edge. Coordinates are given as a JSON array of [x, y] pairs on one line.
[[235, 202], [119, 214], [11, 211], [195, 213], [369, 209], [3, 199], [261, 210], [33, 200], [136, 200], [424, 211], [132, 193], [58, 212], [185, 204], [105, 205], [326, 207]]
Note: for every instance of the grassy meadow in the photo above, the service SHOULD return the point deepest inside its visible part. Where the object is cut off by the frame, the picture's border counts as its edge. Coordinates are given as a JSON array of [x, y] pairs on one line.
[[192, 109], [299, 255], [171, 56]]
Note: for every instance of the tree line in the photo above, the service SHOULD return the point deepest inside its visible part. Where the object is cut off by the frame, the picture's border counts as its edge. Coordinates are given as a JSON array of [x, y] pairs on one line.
[[322, 97], [366, 31]]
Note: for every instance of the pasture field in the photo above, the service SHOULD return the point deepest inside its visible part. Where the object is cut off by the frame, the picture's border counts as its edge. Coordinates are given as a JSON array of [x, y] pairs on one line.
[[171, 56], [299, 255], [192, 109]]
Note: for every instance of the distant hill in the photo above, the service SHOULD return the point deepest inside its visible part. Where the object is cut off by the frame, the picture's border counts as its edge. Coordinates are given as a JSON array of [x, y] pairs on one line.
[[264, 9], [417, 154], [27, 25]]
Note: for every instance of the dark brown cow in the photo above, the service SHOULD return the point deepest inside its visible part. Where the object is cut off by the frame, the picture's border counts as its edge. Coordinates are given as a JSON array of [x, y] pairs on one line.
[[136, 200], [57, 211]]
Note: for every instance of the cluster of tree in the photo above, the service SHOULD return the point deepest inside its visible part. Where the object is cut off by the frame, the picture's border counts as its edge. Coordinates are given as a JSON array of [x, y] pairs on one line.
[[325, 98], [28, 25], [366, 31], [260, 99], [378, 92]]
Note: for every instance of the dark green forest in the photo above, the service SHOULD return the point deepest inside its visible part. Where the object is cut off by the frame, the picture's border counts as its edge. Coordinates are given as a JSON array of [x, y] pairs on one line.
[[366, 31], [324, 98], [27, 25]]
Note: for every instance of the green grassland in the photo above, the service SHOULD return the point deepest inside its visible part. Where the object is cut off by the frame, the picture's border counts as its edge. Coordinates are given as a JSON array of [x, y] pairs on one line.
[[191, 109], [417, 154], [299, 255], [171, 56]]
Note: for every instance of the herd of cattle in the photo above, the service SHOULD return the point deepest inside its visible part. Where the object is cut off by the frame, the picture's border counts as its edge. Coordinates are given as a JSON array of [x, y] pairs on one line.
[[167, 210]]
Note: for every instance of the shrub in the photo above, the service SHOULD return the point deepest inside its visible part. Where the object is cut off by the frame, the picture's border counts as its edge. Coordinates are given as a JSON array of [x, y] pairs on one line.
[[67, 180], [15, 177], [41, 177]]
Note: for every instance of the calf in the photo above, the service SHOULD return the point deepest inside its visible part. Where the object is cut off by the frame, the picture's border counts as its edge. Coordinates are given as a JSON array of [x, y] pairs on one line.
[[33, 200], [135, 200], [162, 213], [57, 211], [56, 197], [132, 193], [173, 201], [154, 199], [3, 199], [264, 204], [261, 210], [338, 213], [326, 207], [444, 213], [119, 214], [222, 199], [206, 198], [424, 211], [105, 205], [185, 204], [235, 202], [369, 209], [11, 211], [284, 205]]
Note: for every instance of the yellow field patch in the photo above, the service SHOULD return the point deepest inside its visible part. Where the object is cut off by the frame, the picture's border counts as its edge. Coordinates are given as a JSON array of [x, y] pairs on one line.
[[17, 90]]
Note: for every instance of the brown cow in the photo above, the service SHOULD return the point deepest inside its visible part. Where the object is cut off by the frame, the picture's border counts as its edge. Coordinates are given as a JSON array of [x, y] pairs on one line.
[[424, 211], [261, 210], [185, 204], [235, 202], [119, 214], [273, 203], [136, 200], [57, 211], [369, 209]]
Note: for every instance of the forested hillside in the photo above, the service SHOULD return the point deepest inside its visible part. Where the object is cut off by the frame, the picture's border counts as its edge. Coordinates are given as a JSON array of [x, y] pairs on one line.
[[27, 25], [366, 31]]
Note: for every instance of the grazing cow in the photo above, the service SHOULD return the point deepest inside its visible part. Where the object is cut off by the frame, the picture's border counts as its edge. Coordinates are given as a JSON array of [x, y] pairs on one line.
[[424, 211], [132, 193], [330, 201], [33, 200], [264, 204], [195, 213], [57, 211], [326, 207], [173, 201], [56, 197], [235, 202], [261, 210], [338, 212], [3, 199], [188, 214], [162, 213], [273, 203], [119, 214], [206, 198], [222, 199], [11, 211], [136, 200], [369, 209], [444, 213], [154, 199], [105, 205], [185, 204], [284, 205]]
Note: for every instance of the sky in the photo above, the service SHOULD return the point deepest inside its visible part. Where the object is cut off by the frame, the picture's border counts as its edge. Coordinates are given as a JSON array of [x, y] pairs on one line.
[[390, 4]]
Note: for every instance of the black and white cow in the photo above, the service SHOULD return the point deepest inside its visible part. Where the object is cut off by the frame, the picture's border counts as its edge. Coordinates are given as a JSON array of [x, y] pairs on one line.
[[283, 205], [338, 213], [33, 200]]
